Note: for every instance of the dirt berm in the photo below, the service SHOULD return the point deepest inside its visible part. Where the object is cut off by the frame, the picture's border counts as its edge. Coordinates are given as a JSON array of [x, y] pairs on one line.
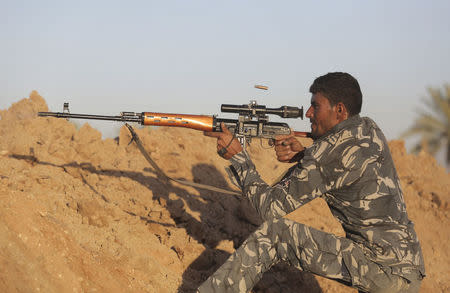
[[82, 214]]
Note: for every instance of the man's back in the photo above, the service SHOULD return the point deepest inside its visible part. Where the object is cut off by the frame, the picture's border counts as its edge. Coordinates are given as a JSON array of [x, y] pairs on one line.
[[366, 196]]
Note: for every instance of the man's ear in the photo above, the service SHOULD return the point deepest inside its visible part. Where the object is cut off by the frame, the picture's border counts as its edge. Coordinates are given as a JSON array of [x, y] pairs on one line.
[[341, 110]]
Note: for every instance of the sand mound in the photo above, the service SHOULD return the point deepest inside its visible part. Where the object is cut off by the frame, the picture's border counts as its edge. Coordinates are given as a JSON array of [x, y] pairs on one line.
[[82, 214]]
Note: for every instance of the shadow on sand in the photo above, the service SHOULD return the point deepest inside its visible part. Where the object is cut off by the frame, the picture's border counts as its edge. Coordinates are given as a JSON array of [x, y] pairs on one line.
[[222, 219]]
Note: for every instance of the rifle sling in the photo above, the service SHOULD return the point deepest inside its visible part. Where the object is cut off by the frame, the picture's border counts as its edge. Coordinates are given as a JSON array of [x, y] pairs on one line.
[[162, 176]]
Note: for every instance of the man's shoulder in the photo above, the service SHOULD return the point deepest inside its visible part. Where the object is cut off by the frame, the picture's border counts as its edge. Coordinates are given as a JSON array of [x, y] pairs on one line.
[[353, 129], [367, 122], [355, 132]]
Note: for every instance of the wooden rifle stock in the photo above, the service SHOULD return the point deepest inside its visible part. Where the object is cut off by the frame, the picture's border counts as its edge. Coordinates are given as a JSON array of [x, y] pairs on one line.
[[302, 134]]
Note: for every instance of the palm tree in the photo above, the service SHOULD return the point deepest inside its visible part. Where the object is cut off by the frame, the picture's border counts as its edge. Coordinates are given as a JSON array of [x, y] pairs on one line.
[[433, 125]]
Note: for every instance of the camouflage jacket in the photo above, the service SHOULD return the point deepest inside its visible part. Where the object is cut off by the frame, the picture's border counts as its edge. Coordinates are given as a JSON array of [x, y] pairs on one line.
[[351, 168]]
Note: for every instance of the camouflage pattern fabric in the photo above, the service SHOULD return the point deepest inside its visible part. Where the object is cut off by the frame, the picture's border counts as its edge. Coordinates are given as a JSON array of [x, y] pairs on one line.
[[351, 168], [308, 250]]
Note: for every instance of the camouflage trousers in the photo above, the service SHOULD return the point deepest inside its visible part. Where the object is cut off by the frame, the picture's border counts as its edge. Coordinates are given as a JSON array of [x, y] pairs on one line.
[[308, 250]]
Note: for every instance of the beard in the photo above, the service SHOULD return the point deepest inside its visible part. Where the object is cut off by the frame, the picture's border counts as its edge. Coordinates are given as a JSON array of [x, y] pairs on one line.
[[314, 134]]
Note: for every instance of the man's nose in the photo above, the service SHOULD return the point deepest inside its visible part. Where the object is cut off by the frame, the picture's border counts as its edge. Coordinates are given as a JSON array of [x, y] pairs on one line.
[[309, 113]]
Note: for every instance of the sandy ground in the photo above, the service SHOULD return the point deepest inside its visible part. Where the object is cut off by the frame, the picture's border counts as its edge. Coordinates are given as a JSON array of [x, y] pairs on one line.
[[82, 214]]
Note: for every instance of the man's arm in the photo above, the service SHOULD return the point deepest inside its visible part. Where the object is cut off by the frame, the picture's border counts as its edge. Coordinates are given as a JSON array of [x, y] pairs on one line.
[[302, 185], [270, 202], [325, 167]]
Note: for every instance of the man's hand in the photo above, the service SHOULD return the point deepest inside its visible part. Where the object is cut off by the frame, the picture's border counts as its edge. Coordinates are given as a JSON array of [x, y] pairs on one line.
[[227, 144], [288, 148]]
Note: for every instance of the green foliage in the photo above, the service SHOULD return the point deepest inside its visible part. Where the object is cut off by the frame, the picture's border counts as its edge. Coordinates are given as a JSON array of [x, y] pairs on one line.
[[433, 123]]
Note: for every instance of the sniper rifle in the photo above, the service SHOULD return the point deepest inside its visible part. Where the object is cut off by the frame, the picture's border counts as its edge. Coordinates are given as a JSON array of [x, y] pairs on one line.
[[252, 120]]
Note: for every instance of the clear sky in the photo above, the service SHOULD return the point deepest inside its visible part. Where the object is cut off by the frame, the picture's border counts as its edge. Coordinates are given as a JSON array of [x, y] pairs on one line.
[[191, 56]]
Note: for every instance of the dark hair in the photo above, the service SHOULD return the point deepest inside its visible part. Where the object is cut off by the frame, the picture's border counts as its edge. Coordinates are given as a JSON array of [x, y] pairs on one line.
[[339, 87]]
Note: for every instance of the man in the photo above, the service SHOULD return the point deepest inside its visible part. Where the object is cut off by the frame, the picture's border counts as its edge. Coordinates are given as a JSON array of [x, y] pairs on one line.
[[348, 165]]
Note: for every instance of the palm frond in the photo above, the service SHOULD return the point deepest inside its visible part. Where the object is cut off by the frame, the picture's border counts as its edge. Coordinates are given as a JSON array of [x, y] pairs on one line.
[[426, 124], [433, 122], [430, 144], [447, 89], [435, 144], [439, 103]]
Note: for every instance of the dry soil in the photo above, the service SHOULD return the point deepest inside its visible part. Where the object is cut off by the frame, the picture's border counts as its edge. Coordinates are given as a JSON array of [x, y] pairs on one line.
[[83, 214]]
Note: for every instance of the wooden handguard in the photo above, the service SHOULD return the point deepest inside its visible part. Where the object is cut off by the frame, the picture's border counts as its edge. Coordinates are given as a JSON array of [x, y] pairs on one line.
[[302, 134], [198, 122]]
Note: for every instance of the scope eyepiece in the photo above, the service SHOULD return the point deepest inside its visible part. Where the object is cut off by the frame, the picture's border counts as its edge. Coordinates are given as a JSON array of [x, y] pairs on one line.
[[260, 110]]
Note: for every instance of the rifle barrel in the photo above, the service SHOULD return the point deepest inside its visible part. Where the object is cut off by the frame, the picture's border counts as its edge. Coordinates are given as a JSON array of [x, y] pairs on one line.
[[129, 117]]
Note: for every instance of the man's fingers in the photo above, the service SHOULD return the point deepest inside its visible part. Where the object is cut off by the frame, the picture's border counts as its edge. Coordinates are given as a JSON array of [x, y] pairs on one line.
[[283, 136], [221, 135], [279, 139], [281, 142], [284, 158], [225, 129], [227, 144], [285, 141], [282, 148]]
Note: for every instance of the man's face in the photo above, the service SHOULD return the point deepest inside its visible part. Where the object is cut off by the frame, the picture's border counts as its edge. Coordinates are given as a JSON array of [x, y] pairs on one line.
[[322, 115]]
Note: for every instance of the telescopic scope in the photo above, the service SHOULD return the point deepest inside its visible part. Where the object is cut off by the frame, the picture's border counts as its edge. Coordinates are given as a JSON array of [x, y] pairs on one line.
[[260, 110]]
